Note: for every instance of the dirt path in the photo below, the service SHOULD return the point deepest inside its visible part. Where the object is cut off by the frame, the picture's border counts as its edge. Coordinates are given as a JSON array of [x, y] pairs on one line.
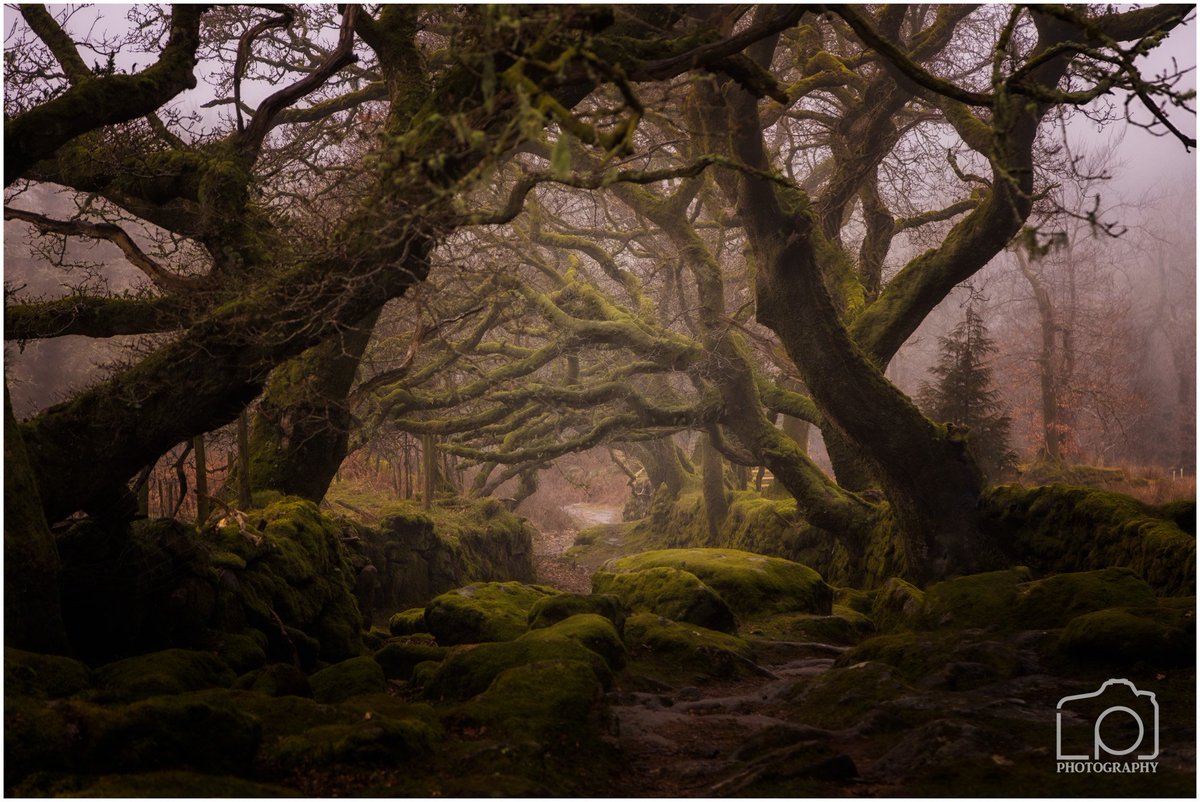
[[548, 548], [705, 742]]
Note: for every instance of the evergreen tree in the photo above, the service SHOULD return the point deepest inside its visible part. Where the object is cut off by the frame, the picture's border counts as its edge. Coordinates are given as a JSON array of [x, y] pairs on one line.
[[962, 394]]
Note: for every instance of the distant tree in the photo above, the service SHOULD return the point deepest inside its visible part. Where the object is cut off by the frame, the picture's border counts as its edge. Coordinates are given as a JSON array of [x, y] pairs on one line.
[[962, 394]]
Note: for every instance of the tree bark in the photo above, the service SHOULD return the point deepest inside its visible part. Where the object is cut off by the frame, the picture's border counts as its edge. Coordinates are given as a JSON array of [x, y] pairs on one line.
[[301, 432], [716, 507], [32, 606]]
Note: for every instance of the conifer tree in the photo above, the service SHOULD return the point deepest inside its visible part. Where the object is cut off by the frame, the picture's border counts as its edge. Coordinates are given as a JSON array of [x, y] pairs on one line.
[[962, 394]]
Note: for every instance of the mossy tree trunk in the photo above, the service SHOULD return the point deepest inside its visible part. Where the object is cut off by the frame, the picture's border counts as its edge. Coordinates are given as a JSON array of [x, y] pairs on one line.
[[716, 506], [32, 606], [662, 462], [301, 431]]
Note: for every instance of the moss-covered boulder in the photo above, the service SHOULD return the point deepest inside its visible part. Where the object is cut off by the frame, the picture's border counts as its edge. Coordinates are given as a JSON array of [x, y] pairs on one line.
[[242, 651], [589, 630], [552, 609], [43, 675], [554, 702], [669, 592], [298, 572], [195, 731], [352, 677], [947, 661], [683, 654], [169, 671], [1058, 529], [469, 670], [845, 626], [374, 740], [751, 584], [483, 612], [1159, 636], [895, 604], [398, 658], [407, 622], [1052, 602], [417, 554], [976, 600], [276, 679]]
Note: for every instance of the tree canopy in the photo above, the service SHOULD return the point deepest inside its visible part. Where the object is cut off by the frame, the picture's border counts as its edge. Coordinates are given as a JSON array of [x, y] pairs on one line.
[[609, 225]]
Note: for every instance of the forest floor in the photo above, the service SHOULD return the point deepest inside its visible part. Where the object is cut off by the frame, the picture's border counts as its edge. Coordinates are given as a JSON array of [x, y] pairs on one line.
[[803, 724]]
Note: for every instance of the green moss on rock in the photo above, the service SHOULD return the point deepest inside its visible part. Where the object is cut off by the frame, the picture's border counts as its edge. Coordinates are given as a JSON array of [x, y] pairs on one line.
[[1159, 636], [373, 740], [554, 702], [669, 592], [751, 584], [483, 612], [1058, 529], [1052, 602], [352, 677], [408, 622], [552, 609], [276, 679], [843, 696], [977, 600], [587, 629], [683, 654], [169, 671], [399, 658], [469, 671], [43, 675], [242, 651], [300, 573], [844, 626], [896, 604]]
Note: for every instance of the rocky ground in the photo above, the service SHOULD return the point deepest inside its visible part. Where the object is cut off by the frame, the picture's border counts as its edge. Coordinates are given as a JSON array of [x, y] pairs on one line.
[[689, 672]]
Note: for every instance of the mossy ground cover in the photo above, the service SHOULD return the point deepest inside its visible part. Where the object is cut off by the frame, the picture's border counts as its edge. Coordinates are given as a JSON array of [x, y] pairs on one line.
[[936, 689]]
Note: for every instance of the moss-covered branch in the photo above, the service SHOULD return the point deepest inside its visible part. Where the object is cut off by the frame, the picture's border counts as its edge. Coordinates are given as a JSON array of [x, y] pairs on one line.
[[92, 316], [89, 104]]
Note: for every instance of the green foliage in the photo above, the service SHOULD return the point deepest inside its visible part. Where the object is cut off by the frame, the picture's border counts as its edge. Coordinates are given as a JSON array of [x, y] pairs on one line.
[[962, 394]]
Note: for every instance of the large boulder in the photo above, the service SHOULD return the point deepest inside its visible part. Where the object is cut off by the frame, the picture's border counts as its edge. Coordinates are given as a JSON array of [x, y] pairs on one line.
[[1164, 635], [680, 654], [468, 671], [353, 677], [552, 609], [751, 584], [589, 630], [169, 671], [669, 592], [483, 612]]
